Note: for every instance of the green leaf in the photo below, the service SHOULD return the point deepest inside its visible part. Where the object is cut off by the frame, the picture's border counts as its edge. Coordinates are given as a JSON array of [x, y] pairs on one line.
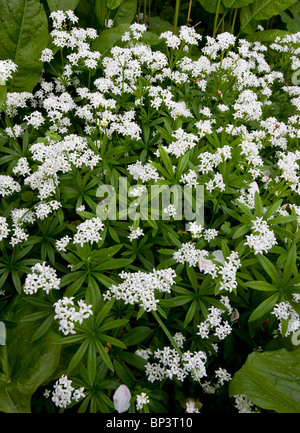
[[25, 365], [104, 355], [264, 308], [62, 5], [134, 360], [104, 312], [190, 313], [271, 380], [159, 26], [290, 265], [113, 324], [126, 12], [113, 4], [166, 160], [2, 334], [136, 335], [258, 204], [261, 10], [112, 340], [42, 329], [78, 355], [292, 23], [261, 285], [266, 36], [109, 37], [112, 264], [211, 6], [269, 268], [23, 36], [240, 231], [234, 4]]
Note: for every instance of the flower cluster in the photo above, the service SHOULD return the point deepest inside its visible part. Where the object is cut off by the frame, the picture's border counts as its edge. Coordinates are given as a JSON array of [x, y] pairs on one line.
[[169, 364], [140, 287], [214, 322], [68, 314], [64, 393], [42, 277], [264, 240]]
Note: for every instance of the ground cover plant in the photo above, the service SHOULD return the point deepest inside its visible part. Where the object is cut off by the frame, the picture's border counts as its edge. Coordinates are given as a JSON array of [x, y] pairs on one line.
[[149, 214]]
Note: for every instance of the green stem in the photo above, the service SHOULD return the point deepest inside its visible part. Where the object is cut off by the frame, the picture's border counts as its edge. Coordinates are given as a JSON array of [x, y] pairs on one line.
[[166, 331], [216, 18], [234, 19], [176, 16], [145, 12]]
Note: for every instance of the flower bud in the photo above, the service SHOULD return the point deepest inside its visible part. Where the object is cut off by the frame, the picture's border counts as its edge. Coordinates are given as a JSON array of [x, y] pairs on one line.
[[122, 398]]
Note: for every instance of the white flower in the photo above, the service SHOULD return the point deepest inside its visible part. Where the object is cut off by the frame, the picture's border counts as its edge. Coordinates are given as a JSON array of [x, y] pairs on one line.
[[64, 392], [4, 230], [121, 399], [7, 67], [42, 277], [135, 233], [140, 287], [68, 314], [8, 185], [141, 400], [88, 231]]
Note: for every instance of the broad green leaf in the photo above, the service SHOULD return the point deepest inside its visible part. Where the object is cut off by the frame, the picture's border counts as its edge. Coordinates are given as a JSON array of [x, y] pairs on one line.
[[109, 37], [62, 5], [159, 26], [271, 380], [113, 4], [292, 23], [100, 11], [261, 10], [126, 12], [266, 36], [25, 366], [211, 6], [23, 36], [234, 4], [264, 308]]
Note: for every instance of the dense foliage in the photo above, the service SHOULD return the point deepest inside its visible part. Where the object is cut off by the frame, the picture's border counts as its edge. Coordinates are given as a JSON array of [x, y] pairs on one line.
[[149, 207]]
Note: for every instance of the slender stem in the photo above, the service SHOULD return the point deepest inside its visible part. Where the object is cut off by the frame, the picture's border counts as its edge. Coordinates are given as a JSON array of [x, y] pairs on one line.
[[166, 331], [189, 13], [176, 16], [234, 19], [145, 12], [216, 18], [139, 11], [149, 16]]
